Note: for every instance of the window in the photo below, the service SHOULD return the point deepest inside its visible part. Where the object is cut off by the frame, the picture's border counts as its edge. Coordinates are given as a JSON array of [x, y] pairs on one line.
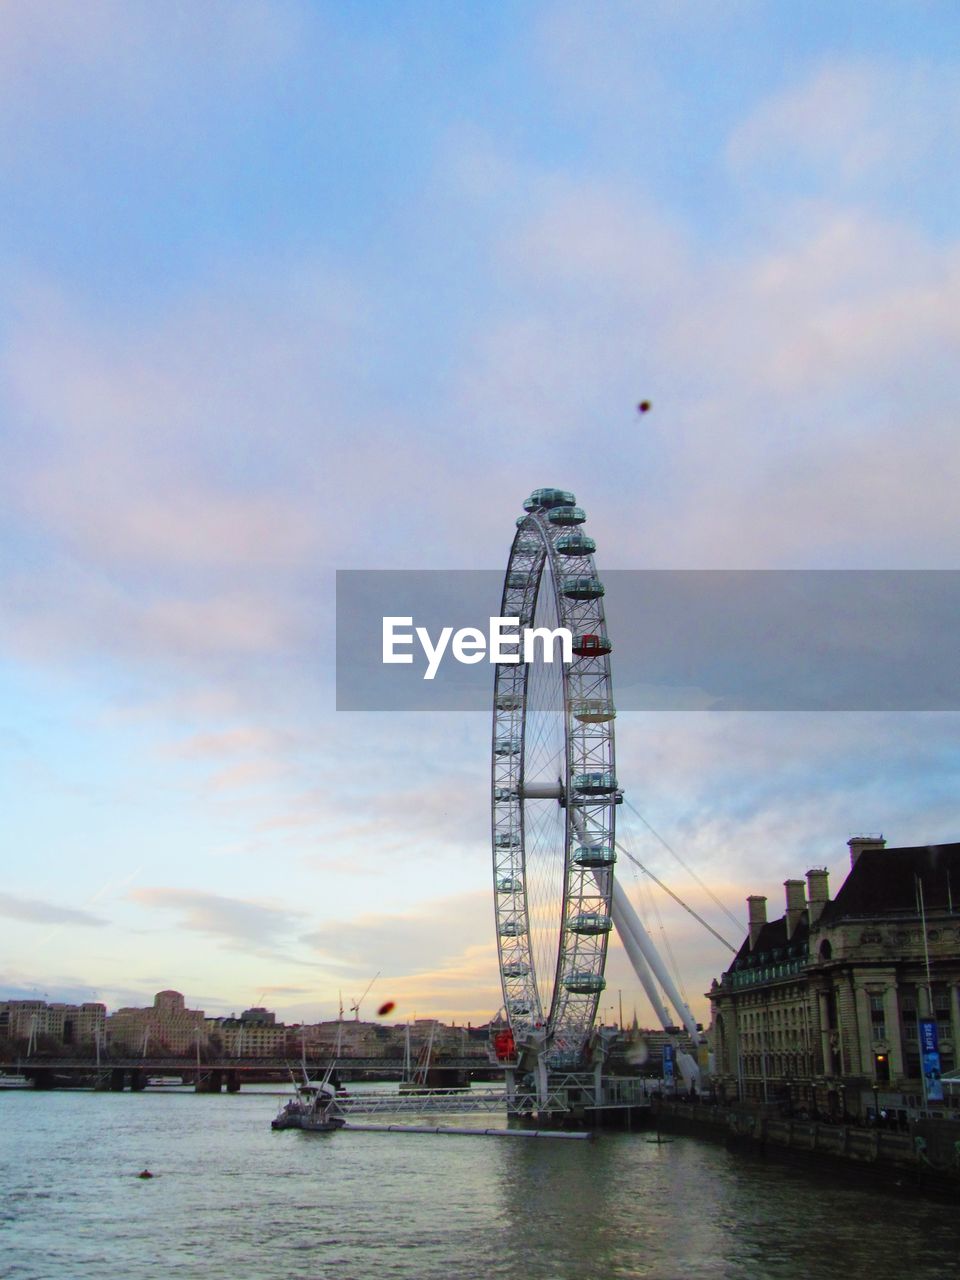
[[911, 1039], [831, 1009], [877, 1019], [941, 1011], [908, 1014]]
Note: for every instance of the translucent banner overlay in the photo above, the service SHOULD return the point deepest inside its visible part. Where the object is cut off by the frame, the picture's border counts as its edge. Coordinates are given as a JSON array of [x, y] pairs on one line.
[[726, 640]]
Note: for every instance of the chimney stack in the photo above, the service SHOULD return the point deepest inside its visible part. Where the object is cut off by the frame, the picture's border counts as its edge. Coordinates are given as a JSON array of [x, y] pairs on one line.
[[857, 845], [757, 916], [818, 892], [796, 904]]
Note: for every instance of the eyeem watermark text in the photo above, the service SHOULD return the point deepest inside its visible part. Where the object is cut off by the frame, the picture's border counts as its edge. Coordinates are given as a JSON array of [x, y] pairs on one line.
[[503, 642]]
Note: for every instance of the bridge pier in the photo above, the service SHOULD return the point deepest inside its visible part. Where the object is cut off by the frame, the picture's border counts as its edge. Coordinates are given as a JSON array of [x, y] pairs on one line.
[[138, 1081], [209, 1081], [439, 1079], [233, 1082]]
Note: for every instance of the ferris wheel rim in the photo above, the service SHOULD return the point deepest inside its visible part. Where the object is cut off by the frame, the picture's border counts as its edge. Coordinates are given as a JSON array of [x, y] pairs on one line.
[[550, 542]]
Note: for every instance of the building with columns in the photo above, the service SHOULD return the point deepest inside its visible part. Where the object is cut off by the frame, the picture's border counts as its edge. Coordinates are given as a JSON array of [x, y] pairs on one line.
[[827, 1009]]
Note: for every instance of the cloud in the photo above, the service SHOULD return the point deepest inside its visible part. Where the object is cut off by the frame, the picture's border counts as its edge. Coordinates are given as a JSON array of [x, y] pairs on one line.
[[163, 517], [66, 988], [223, 397], [852, 120], [58, 60], [237, 920], [239, 740], [421, 941], [247, 776], [830, 120], [34, 911], [199, 381], [606, 57], [444, 819], [783, 372], [417, 796], [466, 987], [285, 991], [844, 305]]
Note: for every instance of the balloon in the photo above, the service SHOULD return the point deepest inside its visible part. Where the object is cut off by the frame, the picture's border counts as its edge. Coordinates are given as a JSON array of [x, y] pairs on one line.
[[387, 1007]]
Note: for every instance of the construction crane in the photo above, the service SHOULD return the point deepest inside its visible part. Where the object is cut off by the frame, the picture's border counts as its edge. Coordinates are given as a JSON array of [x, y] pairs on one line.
[[355, 1007]]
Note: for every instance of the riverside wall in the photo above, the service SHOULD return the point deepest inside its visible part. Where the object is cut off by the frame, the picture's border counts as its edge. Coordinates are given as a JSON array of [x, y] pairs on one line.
[[926, 1155]]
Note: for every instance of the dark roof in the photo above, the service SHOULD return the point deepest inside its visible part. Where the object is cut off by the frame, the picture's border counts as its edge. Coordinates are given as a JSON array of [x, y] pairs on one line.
[[772, 941], [885, 880], [881, 882]]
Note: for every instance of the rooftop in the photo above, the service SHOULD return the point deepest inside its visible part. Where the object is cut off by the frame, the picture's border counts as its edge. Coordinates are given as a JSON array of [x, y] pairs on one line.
[[884, 881]]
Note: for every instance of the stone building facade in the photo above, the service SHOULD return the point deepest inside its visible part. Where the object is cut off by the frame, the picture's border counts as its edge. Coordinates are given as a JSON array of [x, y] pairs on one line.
[[823, 1009], [169, 1027], [240, 1038], [34, 1022]]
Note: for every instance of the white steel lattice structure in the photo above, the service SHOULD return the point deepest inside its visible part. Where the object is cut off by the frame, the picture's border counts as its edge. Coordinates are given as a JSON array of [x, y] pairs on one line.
[[554, 788]]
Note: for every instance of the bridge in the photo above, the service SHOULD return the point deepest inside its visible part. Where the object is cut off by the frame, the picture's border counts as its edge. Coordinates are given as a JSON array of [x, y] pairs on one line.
[[215, 1074], [574, 1100]]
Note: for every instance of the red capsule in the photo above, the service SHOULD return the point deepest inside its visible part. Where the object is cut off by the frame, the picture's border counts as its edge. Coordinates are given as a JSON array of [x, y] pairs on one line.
[[387, 1007]]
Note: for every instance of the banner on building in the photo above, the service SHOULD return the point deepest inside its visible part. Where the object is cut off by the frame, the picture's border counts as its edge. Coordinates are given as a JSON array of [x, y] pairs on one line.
[[668, 1061], [930, 1060]]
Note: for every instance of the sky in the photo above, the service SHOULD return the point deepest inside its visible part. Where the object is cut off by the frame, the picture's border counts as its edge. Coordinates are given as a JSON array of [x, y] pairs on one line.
[[297, 287]]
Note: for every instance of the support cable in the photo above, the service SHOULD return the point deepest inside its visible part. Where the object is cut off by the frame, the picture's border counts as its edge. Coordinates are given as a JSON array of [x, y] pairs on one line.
[[689, 870], [690, 911]]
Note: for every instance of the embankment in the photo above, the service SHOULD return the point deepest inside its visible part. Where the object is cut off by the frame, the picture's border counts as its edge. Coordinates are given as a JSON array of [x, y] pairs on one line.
[[926, 1156]]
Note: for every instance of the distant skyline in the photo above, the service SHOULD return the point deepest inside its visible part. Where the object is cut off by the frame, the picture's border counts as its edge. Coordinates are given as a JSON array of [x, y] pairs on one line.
[[294, 287]]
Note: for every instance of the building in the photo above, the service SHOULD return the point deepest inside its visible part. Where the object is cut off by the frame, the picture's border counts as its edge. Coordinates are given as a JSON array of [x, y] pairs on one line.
[[640, 1051], [255, 1034], [34, 1023], [169, 1027], [840, 1006]]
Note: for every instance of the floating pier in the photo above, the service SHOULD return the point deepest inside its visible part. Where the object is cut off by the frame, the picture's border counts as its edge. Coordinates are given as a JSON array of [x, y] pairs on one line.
[[454, 1132]]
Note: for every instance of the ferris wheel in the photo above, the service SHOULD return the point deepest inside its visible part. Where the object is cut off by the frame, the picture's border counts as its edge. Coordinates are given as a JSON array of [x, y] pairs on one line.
[[554, 787]]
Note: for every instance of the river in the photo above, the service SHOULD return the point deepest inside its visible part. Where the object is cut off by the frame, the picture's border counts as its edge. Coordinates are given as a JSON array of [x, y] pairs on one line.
[[233, 1199]]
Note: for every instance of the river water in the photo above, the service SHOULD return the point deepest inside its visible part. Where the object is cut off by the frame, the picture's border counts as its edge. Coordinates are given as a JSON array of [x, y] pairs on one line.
[[233, 1199]]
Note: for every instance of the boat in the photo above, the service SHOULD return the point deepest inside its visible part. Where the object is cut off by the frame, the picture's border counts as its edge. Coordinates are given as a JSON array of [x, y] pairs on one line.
[[14, 1082], [311, 1108], [322, 1117]]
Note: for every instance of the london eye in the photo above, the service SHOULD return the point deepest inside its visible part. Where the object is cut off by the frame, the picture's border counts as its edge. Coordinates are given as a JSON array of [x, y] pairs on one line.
[[554, 786]]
